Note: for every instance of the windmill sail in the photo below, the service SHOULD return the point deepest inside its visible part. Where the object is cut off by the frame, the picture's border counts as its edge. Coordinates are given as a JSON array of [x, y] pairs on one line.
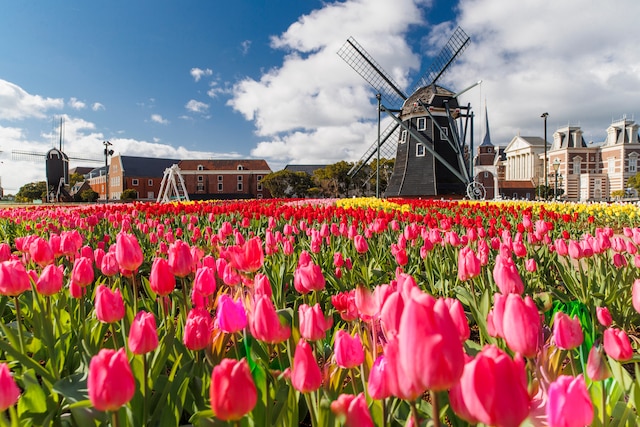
[[457, 44]]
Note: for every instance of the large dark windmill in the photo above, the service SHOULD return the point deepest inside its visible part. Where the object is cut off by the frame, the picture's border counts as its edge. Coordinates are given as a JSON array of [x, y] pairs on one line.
[[429, 131], [56, 167]]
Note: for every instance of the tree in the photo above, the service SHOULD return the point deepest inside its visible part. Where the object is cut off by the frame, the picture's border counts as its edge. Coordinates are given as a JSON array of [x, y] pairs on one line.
[[33, 190], [129, 194], [386, 169], [285, 183], [334, 179], [75, 178], [89, 196], [634, 182]]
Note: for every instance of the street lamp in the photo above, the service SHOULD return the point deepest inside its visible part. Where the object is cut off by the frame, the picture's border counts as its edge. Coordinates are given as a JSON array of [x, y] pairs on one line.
[[556, 166], [107, 152], [546, 178]]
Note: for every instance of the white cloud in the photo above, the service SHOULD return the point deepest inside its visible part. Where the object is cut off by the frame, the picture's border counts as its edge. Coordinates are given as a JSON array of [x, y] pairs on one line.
[[245, 46], [97, 106], [17, 104], [197, 106], [76, 104], [198, 73], [569, 58], [157, 118]]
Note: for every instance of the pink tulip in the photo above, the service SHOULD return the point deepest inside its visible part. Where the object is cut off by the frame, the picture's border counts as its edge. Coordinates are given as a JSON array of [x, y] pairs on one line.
[[161, 279], [379, 383], [82, 274], [308, 277], [353, 410], [360, 244], [5, 252], [619, 261], [143, 335], [128, 252], [530, 265], [265, 324], [230, 316], [14, 279], [468, 264], [233, 393], [305, 374], [180, 260], [459, 318], [248, 257], [597, 367], [109, 305], [391, 313], [569, 404], [205, 281], [313, 323], [567, 332], [492, 390], [109, 264], [604, 316], [41, 252], [348, 350], [9, 391], [521, 325], [635, 295], [366, 303], [70, 242], [261, 285], [198, 329], [429, 347], [111, 383], [506, 276], [561, 247], [51, 280], [617, 345]]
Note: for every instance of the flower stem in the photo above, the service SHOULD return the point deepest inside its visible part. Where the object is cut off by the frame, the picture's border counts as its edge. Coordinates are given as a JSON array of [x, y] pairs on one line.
[[435, 408], [145, 369], [19, 320], [115, 421], [414, 413], [605, 418]]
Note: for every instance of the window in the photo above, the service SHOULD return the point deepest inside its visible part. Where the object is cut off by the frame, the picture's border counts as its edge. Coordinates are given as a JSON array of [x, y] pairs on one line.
[[239, 178], [576, 166], [150, 195], [219, 178], [150, 184], [486, 174], [489, 150], [611, 165], [200, 167], [420, 149], [633, 163], [240, 167], [444, 133], [421, 123], [259, 182], [200, 178], [200, 187], [219, 186], [403, 137], [239, 185], [134, 181], [259, 196]]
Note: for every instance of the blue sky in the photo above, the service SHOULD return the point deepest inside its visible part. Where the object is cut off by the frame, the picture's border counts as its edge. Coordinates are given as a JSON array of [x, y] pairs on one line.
[[205, 78]]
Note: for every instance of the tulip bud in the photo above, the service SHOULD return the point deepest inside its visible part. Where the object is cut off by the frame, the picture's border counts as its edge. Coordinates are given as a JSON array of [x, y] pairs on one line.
[[198, 329], [617, 345], [9, 391], [348, 350], [567, 332], [109, 305], [231, 316], [128, 252], [597, 367], [604, 316], [569, 404], [233, 393], [143, 335], [14, 279], [353, 410], [111, 383], [313, 323], [305, 374], [51, 280], [161, 279]]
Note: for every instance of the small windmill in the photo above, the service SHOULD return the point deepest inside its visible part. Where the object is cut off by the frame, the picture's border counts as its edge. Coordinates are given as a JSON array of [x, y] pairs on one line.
[[429, 130], [56, 167]]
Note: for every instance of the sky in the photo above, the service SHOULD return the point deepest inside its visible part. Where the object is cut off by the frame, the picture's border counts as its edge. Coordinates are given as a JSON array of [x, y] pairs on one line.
[[262, 79]]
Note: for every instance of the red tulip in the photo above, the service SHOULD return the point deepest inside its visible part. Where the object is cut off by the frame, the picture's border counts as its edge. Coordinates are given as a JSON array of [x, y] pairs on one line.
[[265, 324], [51, 280], [231, 316], [180, 260], [41, 252], [198, 329], [205, 281], [597, 367], [233, 393], [70, 242], [348, 350], [468, 264], [109, 264], [379, 383], [82, 274], [353, 410], [429, 346], [248, 257], [569, 404], [492, 390], [313, 323], [521, 325], [261, 285], [506, 276], [14, 279], [459, 318], [604, 316], [567, 332], [360, 244], [5, 252], [617, 345], [128, 252], [161, 279], [305, 374], [391, 313], [143, 335], [635, 295], [308, 277], [345, 304], [109, 305], [530, 265], [9, 391], [111, 383]]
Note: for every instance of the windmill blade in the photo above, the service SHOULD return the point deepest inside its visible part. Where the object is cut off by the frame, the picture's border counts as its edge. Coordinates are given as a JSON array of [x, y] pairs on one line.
[[457, 43], [27, 155], [358, 59], [387, 148], [84, 158]]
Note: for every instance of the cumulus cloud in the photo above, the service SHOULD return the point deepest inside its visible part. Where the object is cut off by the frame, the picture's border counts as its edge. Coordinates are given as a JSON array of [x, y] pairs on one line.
[[245, 46], [197, 106], [198, 73], [17, 104], [76, 104], [157, 118], [97, 106]]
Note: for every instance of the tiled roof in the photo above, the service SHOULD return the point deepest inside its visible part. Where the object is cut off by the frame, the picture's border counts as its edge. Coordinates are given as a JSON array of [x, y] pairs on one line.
[[309, 169], [145, 166], [225, 164]]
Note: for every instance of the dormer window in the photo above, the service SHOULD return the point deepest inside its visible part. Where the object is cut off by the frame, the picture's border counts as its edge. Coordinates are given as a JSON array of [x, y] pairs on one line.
[[200, 167], [240, 167]]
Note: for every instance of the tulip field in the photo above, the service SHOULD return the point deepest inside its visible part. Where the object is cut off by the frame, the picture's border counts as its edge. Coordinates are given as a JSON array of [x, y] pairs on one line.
[[355, 312]]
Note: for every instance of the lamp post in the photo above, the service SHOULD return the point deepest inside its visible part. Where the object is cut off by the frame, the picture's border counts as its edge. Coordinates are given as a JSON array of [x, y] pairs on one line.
[[556, 166], [546, 178], [107, 153]]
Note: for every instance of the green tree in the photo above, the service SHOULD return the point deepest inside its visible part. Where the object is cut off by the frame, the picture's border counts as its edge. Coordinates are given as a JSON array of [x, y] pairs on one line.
[[386, 169], [334, 180], [31, 191], [75, 178], [129, 194], [286, 183], [634, 182], [89, 196]]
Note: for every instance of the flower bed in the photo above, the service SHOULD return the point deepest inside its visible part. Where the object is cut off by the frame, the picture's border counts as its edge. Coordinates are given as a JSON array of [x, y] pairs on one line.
[[353, 311]]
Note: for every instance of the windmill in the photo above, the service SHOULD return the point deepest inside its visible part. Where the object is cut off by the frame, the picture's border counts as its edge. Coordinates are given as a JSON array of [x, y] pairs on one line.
[[56, 167], [429, 130]]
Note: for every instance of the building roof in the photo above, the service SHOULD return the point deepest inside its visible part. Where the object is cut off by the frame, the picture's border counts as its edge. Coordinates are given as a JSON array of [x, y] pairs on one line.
[[308, 169], [82, 170], [486, 142], [225, 164], [145, 166]]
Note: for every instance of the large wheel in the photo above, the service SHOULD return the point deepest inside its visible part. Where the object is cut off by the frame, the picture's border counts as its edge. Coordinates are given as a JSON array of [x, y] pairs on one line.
[[476, 191]]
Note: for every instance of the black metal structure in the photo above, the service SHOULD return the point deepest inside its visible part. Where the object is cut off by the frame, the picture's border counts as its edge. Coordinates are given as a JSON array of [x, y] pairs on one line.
[[428, 133]]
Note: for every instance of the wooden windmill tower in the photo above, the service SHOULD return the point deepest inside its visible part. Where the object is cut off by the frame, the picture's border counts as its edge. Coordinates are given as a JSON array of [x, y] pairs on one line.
[[431, 132]]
